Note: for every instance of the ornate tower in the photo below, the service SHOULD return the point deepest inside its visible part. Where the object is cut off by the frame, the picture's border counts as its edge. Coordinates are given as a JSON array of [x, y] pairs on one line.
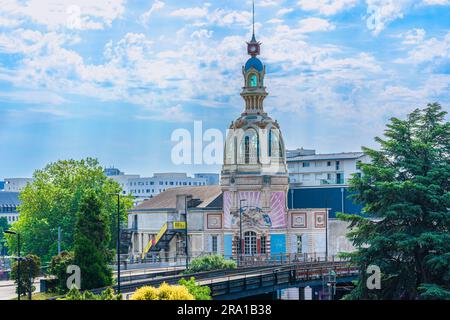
[[254, 176]]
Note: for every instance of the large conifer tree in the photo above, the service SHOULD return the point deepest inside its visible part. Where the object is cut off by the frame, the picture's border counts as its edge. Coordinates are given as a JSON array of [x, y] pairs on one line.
[[406, 194], [92, 236]]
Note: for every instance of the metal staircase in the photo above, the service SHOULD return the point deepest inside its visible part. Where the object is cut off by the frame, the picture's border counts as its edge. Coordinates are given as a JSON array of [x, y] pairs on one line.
[[125, 240], [164, 236]]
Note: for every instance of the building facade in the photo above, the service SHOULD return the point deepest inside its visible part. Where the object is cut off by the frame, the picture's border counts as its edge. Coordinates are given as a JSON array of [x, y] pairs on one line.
[[9, 202], [144, 188], [247, 216], [16, 184]]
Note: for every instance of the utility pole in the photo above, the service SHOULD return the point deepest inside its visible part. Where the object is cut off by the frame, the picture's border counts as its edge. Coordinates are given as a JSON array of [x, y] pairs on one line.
[[59, 240], [186, 231], [241, 245]]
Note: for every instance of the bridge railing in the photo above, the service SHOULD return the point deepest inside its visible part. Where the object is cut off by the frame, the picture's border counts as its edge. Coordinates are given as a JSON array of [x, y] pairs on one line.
[[265, 259]]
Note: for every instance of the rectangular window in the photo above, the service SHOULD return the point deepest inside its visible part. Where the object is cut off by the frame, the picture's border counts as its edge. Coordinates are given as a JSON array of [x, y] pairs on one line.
[[338, 165], [299, 244], [306, 164], [329, 164], [214, 244]]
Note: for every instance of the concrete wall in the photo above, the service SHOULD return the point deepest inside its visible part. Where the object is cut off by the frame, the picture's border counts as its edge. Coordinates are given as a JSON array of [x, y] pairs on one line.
[[337, 241]]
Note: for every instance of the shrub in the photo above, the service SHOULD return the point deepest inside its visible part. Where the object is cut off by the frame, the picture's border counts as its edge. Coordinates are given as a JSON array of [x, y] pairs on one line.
[[58, 268], [164, 292], [199, 292], [208, 263], [75, 294]]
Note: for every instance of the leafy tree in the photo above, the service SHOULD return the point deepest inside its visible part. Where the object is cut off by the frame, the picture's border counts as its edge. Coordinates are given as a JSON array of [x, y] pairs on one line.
[[208, 263], [53, 199], [3, 227], [199, 292], [92, 236], [58, 268], [30, 261], [405, 230]]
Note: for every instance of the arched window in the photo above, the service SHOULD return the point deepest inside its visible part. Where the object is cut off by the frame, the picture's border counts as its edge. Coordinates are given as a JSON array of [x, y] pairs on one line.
[[249, 153], [250, 243], [253, 81], [275, 144]]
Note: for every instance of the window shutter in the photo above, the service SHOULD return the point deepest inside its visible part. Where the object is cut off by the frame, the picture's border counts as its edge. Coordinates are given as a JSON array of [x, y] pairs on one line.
[[209, 243], [293, 243], [219, 245]]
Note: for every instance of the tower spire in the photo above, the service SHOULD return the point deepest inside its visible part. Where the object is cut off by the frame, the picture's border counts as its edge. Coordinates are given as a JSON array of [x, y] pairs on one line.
[[253, 37]]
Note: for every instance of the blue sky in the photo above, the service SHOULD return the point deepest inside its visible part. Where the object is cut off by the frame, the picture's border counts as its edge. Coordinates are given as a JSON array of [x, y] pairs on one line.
[[113, 79]]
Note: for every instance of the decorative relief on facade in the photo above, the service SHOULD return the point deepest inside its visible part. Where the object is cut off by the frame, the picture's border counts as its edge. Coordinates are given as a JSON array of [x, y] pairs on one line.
[[320, 219], [278, 209], [299, 220], [214, 221]]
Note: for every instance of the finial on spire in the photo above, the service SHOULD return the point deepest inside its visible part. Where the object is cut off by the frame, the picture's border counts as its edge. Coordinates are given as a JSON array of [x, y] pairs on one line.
[[253, 37]]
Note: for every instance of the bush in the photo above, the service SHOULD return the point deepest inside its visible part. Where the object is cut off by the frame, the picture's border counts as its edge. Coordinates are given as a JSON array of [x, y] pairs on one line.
[[208, 263], [199, 292], [58, 268], [164, 292], [75, 294]]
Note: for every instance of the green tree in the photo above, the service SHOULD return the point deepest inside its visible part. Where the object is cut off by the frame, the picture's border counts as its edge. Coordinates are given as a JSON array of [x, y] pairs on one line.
[[199, 292], [53, 199], [32, 262], [210, 262], [3, 226], [405, 229], [58, 268], [92, 237]]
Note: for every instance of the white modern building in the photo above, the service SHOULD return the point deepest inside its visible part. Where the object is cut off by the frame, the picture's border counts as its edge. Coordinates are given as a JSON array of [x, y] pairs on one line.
[[308, 169], [144, 188], [9, 201], [16, 184]]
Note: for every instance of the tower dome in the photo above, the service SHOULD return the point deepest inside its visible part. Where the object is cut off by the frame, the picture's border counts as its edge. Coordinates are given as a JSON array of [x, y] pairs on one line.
[[255, 63]]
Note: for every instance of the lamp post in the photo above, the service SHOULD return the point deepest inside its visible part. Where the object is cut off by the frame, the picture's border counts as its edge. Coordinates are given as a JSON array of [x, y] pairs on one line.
[[118, 240], [186, 229], [18, 261], [241, 247]]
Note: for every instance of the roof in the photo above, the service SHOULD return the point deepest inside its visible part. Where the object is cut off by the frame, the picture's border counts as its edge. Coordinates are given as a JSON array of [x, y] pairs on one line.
[[167, 199], [329, 156], [9, 199], [255, 63]]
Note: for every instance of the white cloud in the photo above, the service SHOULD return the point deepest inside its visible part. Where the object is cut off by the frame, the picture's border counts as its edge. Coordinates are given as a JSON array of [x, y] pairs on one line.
[[284, 11], [413, 36], [145, 17], [201, 34], [436, 2], [315, 24], [327, 7], [190, 13], [428, 50], [82, 14]]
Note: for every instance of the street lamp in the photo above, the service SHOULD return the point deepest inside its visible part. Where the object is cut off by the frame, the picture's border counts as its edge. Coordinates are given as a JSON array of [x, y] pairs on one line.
[[118, 240], [18, 260], [241, 246], [186, 229]]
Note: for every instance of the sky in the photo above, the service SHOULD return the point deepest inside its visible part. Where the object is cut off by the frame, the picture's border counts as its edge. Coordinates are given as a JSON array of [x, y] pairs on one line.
[[113, 79]]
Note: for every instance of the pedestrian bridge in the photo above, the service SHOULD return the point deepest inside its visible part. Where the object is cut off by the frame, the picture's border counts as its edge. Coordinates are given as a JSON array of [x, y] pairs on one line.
[[252, 280]]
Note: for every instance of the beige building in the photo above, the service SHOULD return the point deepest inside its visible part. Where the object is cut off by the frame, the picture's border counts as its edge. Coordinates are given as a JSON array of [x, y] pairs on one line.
[[247, 215]]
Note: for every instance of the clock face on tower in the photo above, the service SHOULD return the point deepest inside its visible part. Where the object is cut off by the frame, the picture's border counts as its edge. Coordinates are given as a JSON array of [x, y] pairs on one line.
[[253, 49]]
